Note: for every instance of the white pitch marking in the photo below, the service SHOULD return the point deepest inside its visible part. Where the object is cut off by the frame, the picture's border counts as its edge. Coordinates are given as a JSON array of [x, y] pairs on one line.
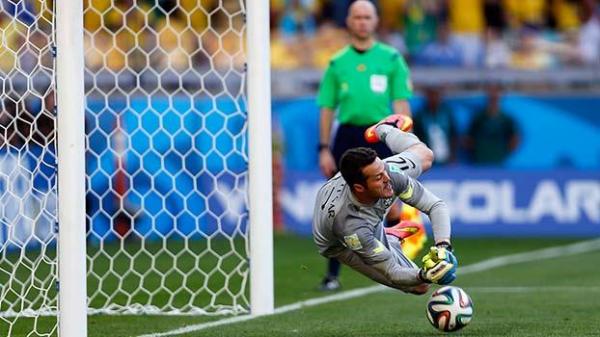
[[541, 254], [536, 255], [528, 289]]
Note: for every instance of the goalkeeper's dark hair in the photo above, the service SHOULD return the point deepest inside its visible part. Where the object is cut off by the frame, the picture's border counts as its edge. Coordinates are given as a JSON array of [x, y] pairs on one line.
[[352, 163]]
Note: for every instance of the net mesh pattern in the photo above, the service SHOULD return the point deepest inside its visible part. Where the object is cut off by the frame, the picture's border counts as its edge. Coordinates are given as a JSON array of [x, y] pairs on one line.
[[166, 160]]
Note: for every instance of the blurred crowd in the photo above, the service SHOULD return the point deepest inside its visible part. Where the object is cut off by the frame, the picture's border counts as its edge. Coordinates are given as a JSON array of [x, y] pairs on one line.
[[517, 34], [179, 35], [159, 34], [132, 35]]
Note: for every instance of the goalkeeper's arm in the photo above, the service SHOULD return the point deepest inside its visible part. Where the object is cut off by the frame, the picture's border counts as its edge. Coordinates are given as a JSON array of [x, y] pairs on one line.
[[389, 273], [412, 192], [397, 279], [439, 215]]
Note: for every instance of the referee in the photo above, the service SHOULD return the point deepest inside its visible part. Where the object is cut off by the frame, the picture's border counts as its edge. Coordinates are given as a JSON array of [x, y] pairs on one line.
[[364, 81]]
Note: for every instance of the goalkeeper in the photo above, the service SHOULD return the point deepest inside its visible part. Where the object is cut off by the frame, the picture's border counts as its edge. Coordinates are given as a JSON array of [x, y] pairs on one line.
[[351, 206]]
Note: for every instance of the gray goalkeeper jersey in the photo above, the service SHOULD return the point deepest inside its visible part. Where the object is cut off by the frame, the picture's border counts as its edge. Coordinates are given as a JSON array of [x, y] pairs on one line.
[[352, 232]]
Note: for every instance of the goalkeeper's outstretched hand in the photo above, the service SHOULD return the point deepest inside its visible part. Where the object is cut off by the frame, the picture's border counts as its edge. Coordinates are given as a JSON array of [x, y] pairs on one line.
[[439, 266], [442, 251]]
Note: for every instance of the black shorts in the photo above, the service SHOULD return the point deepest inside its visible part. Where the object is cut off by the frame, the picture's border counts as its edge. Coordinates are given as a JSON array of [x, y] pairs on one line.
[[351, 136]]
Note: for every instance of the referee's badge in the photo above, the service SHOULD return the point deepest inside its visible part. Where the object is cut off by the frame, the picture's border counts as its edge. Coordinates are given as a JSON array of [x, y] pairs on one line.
[[378, 83]]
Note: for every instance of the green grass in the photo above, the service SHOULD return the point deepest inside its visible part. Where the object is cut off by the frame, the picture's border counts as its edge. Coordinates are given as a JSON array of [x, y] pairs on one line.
[[555, 302], [166, 274]]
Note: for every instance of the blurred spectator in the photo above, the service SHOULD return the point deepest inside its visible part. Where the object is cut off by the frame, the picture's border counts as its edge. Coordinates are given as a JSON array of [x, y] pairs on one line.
[[197, 17], [22, 11], [392, 14], [293, 44], [529, 53], [327, 42], [8, 125], [13, 38], [467, 24], [276, 8], [492, 135], [339, 8], [530, 13], [324, 11], [100, 52], [443, 52], [394, 38], [435, 126], [282, 56], [421, 18], [566, 51], [391, 24], [497, 52], [495, 16], [297, 20], [45, 126], [589, 34], [27, 120], [565, 14], [177, 43]]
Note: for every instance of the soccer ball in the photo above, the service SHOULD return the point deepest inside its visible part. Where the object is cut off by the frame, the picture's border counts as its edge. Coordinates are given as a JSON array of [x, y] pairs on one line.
[[449, 309]]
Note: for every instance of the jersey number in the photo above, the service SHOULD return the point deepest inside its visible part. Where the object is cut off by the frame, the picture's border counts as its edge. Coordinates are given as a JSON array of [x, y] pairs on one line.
[[403, 164]]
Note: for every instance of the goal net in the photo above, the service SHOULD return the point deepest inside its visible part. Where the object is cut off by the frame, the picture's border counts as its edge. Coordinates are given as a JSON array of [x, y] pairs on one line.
[[28, 264], [166, 156], [166, 160]]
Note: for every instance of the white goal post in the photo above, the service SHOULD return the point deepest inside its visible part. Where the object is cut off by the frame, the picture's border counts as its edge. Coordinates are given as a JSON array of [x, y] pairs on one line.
[[260, 149], [70, 135]]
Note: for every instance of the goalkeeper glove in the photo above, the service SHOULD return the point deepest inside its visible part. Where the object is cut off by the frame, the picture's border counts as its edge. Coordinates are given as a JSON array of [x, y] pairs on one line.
[[442, 251], [439, 266]]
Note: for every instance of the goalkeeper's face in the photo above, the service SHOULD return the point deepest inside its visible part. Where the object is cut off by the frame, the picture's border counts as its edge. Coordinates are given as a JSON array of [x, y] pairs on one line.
[[378, 183]]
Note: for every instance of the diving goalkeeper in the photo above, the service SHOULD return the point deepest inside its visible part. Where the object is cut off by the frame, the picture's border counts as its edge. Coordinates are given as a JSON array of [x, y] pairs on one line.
[[351, 206]]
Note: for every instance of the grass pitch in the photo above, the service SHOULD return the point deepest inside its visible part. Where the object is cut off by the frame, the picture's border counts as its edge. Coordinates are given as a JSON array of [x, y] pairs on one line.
[[552, 297]]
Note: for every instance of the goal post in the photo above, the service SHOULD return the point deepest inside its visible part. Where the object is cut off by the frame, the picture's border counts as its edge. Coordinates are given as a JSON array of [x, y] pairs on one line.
[[70, 129], [260, 152]]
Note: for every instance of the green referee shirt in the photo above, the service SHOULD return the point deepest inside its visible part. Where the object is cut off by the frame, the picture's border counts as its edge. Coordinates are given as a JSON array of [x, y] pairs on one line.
[[363, 84]]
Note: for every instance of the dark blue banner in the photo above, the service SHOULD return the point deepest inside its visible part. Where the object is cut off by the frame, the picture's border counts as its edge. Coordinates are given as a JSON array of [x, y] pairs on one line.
[[485, 202]]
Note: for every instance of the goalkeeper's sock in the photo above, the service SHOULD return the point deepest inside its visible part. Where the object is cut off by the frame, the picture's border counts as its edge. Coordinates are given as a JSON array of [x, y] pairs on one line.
[[398, 141]]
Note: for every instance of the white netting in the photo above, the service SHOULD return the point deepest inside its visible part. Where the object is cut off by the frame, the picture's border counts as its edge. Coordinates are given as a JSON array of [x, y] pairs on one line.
[[166, 159], [27, 170]]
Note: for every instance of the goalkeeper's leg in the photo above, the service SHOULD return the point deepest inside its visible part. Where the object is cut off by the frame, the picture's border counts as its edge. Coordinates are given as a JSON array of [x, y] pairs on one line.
[[404, 144]]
